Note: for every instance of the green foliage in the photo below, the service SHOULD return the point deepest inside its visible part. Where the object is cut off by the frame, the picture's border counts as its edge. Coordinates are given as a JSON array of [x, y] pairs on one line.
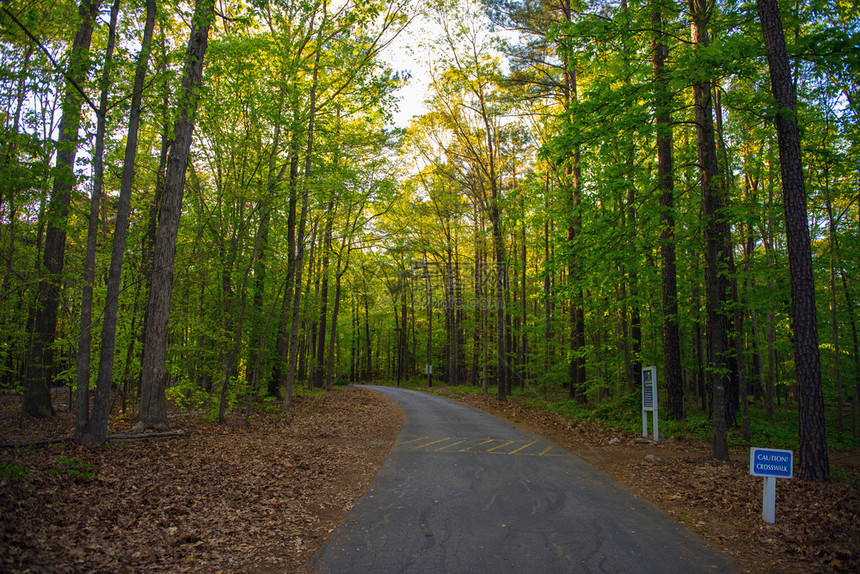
[[488, 133], [189, 396], [780, 433], [465, 389], [843, 474], [621, 413], [624, 413], [73, 467], [304, 391], [10, 472]]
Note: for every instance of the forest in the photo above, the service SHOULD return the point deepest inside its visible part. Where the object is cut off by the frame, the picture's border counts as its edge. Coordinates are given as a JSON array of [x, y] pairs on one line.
[[211, 204]]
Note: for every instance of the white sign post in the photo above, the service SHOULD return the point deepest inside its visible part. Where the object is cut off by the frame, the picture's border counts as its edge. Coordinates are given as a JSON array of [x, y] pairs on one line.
[[649, 399], [771, 463]]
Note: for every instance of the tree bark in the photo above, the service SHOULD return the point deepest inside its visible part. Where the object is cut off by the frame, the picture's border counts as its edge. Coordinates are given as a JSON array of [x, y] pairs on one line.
[[300, 248], [577, 311], [154, 368], [279, 368], [83, 422], [666, 183], [37, 398], [325, 249], [96, 431], [717, 249], [814, 463], [834, 324]]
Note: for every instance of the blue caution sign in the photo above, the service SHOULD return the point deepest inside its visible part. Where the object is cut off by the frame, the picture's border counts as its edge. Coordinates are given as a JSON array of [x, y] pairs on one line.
[[772, 462]]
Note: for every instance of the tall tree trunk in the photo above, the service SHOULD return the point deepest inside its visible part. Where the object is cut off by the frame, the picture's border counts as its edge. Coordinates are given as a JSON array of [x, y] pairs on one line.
[[96, 431], [37, 398], [429, 366], [523, 347], [10, 157], [279, 369], [734, 395], [329, 368], [767, 239], [573, 181], [325, 248], [154, 374], [834, 324], [813, 440], [740, 350], [148, 243], [84, 426], [666, 182], [855, 409], [300, 247], [717, 243], [633, 278], [547, 285]]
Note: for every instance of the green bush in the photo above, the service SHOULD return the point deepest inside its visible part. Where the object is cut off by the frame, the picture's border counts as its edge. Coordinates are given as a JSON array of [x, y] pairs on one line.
[[188, 396]]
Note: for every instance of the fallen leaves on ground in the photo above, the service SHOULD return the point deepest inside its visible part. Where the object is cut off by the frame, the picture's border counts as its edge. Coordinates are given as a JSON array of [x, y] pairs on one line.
[[262, 495], [255, 495]]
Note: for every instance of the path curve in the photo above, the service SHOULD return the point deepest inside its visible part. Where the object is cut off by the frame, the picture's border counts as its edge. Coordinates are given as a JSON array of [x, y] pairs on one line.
[[463, 491]]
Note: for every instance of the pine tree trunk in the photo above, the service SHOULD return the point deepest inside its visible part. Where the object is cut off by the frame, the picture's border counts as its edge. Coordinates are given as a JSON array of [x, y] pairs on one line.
[[813, 441], [666, 182]]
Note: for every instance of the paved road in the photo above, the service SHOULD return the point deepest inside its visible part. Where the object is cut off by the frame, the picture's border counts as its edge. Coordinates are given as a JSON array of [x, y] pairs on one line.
[[465, 492]]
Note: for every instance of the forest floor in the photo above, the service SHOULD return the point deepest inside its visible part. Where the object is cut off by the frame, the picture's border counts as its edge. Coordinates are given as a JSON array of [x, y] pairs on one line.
[[262, 493], [258, 494]]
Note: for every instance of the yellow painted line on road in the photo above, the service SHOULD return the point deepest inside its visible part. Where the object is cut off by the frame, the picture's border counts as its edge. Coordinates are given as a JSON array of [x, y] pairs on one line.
[[479, 444], [411, 441], [432, 443], [452, 444], [522, 447], [500, 446], [519, 448]]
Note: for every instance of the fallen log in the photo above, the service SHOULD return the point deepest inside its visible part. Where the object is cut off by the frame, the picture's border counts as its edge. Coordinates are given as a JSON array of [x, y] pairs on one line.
[[118, 436]]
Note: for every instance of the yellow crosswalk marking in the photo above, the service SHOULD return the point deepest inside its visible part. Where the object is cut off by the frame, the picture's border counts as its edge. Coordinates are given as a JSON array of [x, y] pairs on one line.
[[411, 441], [431, 443], [473, 446], [500, 446], [479, 444], [450, 445], [522, 447]]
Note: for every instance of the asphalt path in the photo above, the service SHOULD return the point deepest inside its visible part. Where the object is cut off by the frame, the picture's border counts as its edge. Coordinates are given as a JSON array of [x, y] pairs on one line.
[[463, 491]]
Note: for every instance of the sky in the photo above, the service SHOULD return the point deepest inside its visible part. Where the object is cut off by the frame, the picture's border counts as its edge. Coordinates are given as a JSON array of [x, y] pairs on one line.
[[401, 55], [412, 51]]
